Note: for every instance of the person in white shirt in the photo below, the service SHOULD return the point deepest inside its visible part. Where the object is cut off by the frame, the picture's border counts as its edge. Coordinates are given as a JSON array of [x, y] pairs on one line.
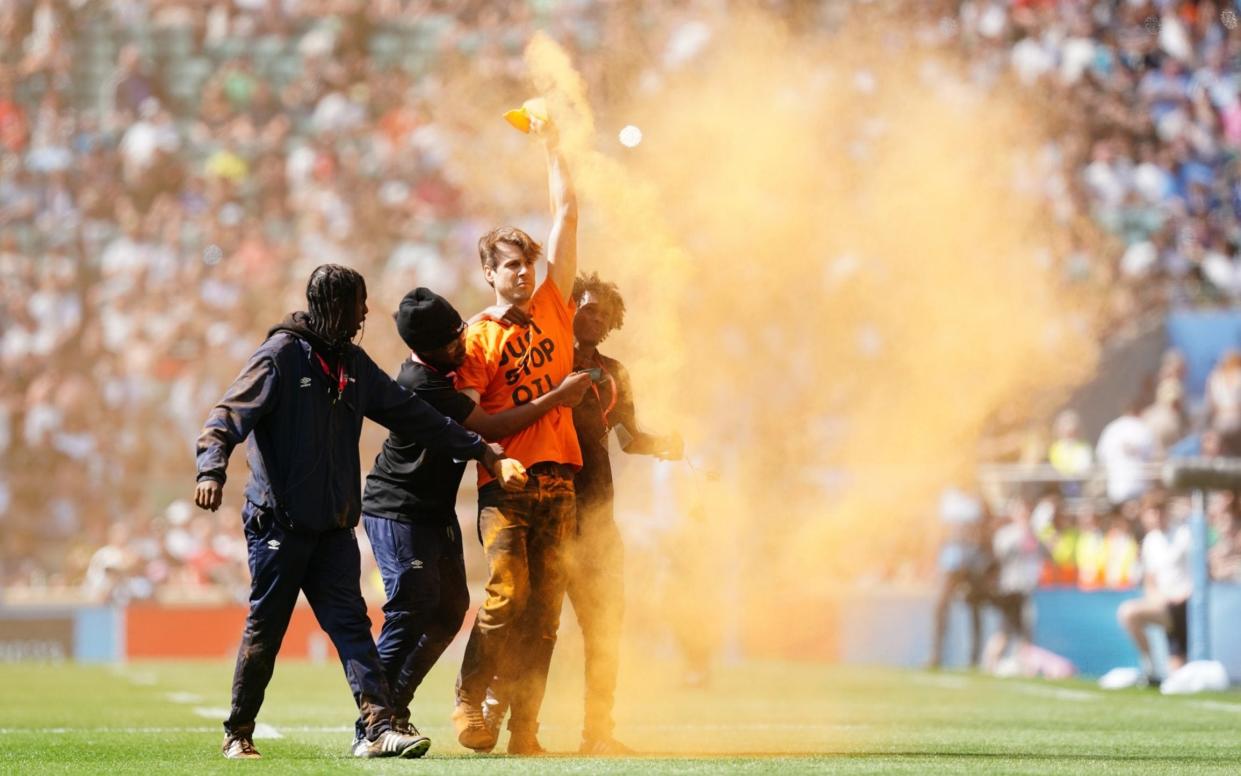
[[1125, 447], [1223, 399], [1020, 556], [1167, 585]]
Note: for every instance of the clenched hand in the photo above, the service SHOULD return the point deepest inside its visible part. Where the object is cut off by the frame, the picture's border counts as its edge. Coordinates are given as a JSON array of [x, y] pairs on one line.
[[208, 494]]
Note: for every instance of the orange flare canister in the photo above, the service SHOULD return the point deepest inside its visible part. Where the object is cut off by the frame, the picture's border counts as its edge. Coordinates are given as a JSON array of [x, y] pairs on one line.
[[534, 108]]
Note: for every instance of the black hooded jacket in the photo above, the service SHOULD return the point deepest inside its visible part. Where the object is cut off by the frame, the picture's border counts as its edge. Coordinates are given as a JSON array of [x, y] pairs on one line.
[[299, 405]]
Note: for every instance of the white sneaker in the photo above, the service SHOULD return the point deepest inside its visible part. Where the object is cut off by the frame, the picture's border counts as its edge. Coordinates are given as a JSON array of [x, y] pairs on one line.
[[393, 744]]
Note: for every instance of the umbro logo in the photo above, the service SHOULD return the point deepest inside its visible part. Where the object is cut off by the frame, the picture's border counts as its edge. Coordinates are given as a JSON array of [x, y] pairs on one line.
[[274, 544], [416, 564], [305, 382]]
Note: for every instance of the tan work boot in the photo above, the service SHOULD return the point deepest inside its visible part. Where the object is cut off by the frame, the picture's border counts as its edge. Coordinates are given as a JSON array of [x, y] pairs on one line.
[[472, 730]]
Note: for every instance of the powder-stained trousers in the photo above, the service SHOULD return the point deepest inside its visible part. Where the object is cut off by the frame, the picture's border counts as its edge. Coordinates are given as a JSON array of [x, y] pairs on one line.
[[596, 587], [514, 633]]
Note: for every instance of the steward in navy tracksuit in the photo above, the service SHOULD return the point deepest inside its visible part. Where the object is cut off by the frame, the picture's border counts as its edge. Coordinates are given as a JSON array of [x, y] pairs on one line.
[[299, 404], [409, 503]]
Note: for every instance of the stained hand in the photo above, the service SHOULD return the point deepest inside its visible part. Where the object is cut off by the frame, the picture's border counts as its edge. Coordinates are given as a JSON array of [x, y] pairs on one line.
[[512, 474]]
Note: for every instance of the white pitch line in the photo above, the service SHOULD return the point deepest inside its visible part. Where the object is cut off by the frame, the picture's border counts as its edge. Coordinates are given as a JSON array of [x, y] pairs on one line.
[[940, 680], [1218, 706], [1058, 693], [261, 730], [156, 730], [960, 683], [349, 728], [798, 726], [142, 679], [136, 730], [184, 697]]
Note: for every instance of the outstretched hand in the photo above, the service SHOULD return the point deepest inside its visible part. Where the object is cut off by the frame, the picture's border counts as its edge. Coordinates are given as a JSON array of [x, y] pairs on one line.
[[671, 447]]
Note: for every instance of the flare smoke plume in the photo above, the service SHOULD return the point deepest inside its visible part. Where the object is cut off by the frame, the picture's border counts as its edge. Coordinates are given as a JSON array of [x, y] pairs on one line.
[[834, 284]]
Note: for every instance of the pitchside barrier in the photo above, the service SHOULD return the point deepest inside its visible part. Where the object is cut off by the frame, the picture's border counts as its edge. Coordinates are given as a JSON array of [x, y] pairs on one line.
[[103, 634], [878, 627]]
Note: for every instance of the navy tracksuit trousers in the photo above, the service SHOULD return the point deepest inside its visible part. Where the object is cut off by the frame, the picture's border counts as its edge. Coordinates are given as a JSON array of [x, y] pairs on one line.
[[327, 567], [423, 570]]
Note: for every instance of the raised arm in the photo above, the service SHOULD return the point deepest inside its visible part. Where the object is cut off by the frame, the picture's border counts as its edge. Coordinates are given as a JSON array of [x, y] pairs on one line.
[[562, 242]]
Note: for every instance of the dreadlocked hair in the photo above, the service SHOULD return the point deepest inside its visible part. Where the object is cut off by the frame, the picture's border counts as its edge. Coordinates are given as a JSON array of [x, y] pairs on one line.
[[331, 298], [607, 294]]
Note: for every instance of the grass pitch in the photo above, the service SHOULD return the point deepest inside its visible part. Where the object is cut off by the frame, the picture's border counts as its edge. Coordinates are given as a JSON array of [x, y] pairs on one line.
[[164, 718]]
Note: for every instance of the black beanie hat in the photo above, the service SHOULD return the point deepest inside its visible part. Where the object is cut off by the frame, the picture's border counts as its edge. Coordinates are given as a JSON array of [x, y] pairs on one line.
[[426, 321]]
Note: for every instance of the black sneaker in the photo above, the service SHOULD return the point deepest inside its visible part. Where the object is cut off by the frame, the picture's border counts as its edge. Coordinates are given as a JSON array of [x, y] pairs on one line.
[[239, 748], [390, 743]]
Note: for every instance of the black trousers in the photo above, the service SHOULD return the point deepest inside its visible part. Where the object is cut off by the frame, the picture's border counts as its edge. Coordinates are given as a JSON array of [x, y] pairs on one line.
[[327, 568], [423, 570]]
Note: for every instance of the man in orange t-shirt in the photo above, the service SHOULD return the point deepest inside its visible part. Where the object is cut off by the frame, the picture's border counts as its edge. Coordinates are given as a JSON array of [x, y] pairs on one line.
[[522, 532]]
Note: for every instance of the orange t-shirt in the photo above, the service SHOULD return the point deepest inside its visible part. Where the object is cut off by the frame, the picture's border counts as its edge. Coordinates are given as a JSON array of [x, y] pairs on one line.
[[511, 365]]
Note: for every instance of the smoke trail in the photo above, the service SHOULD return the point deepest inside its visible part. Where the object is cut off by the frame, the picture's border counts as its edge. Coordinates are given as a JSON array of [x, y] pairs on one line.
[[834, 283]]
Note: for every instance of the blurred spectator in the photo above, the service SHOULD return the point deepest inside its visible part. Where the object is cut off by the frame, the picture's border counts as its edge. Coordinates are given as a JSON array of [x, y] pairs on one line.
[[1057, 531], [965, 561], [13, 126], [1125, 448], [1019, 555], [1091, 551], [1121, 567], [1069, 453], [1106, 551], [135, 85], [1223, 402], [1166, 418], [1224, 556], [1167, 585]]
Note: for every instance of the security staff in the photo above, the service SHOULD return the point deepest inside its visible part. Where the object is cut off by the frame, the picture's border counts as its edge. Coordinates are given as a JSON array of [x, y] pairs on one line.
[[299, 404]]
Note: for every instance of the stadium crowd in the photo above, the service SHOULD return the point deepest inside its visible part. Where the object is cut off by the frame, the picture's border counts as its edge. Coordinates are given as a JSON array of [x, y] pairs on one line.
[[166, 163]]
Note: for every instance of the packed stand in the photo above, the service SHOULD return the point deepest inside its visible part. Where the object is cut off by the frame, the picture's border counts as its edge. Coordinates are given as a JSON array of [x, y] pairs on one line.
[[169, 173], [1147, 96], [169, 170]]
